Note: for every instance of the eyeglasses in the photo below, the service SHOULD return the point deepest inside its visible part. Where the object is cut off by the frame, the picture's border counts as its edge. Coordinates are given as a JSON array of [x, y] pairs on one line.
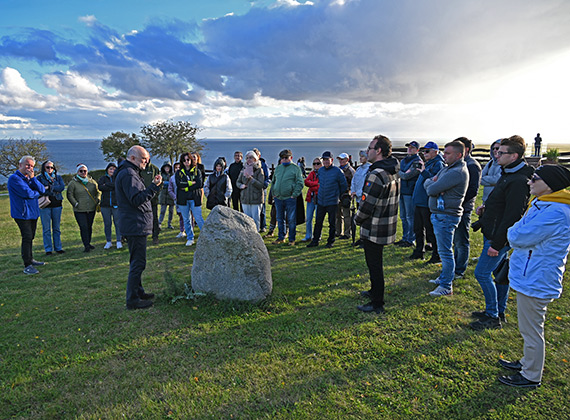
[[317, 163], [501, 153], [427, 151], [535, 178]]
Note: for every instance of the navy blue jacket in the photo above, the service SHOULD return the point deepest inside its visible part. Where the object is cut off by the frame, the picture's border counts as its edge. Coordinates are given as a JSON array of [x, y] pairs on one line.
[[107, 187], [408, 180], [432, 167], [332, 184], [133, 199]]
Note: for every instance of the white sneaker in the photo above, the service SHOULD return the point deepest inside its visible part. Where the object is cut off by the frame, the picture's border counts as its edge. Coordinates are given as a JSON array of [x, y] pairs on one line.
[[119, 244], [441, 291], [434, 281], [108, 245], [181, 235], [190, 242]]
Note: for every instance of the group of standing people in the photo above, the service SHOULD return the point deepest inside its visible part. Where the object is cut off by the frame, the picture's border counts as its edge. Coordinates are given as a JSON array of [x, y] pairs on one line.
[[435, 195]]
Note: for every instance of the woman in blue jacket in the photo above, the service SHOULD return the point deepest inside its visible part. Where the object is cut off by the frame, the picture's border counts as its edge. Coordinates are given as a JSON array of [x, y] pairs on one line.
[[541, 241], [51, 215]]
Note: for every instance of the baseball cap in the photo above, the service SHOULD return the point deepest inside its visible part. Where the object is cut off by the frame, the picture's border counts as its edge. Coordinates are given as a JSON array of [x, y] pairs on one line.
[[431, 145], [342, 156], [327, 155], [413, 143]]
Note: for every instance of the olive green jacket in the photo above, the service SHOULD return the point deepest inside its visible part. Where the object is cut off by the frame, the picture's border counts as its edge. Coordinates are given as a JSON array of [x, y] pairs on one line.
[[81, 200]]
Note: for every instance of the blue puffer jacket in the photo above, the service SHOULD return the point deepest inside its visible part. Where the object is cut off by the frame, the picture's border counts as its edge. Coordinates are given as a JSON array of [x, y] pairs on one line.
[[332, 184], [24, 195], [408, 180], [541, 241], [432, 167], [133, 199]]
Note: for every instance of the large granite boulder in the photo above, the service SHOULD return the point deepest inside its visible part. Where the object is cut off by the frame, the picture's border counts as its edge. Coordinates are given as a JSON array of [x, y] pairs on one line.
[[231, 260]]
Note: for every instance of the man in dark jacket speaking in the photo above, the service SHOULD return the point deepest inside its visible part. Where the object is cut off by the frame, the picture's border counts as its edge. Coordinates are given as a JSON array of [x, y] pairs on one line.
[[135, 215]]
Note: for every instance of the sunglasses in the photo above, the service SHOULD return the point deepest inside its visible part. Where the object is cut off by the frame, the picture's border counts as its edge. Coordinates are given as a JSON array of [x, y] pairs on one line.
[[495, 148], [317, 163], [500, 153], [535, 178], [82, 171], [49, 167]]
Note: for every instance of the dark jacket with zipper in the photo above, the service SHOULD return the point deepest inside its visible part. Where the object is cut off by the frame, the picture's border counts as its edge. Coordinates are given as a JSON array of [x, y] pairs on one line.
[[133, 199], [507, 202], [188, 185]]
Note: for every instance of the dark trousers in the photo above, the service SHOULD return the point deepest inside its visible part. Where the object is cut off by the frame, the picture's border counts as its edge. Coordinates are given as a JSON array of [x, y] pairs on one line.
[[422, 223], [137, 252], [28, 232], [85, 222], [236, 204], [321, 212], [373, 253], [155, 226]]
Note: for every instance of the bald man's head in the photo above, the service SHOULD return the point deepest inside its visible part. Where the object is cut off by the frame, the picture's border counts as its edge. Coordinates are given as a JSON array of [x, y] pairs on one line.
[[138, 156]]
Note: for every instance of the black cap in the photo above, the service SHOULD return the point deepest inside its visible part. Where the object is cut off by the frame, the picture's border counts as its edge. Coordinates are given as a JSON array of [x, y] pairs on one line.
[[557, 177], [327, 155]]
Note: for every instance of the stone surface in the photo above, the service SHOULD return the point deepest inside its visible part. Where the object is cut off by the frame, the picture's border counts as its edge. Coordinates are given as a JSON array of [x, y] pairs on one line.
[[231, 260]]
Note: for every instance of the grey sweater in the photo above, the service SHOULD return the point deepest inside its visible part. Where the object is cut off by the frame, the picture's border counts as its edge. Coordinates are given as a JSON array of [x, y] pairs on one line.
[[452, 184]]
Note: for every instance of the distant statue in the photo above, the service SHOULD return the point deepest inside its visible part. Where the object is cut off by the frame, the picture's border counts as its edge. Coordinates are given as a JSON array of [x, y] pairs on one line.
[[537, 144]]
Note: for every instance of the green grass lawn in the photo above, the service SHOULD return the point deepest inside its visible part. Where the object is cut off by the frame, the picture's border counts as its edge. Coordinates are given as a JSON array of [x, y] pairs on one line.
[[69, 349]]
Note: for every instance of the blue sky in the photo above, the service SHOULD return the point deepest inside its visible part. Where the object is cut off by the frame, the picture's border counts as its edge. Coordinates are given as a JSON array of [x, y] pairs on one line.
[[323, 68]]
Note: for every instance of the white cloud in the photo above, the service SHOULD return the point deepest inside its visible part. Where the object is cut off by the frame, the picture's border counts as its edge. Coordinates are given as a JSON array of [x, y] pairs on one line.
[[15, 93], [89, 20]]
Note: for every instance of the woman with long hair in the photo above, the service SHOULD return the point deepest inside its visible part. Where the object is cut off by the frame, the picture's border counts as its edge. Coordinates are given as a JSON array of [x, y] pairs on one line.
[[189, 183], [51, 215]]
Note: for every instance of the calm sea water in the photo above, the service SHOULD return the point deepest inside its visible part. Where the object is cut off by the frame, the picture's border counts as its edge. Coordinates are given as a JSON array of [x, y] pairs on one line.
[[68, 153]]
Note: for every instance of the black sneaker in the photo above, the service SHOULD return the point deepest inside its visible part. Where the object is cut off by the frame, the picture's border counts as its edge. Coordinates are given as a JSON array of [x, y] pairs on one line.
[[37, 263], [343, 237], [146, 296], [312, 244], [370, 307], [433, 260], [483, 315], [329, 245], [416, 256], [406, 244], [486, 323], [61, 251], [517, 365], [141, 304], [518, 380]]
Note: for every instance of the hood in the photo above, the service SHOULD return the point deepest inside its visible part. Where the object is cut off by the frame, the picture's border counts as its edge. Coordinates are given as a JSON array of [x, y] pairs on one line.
[[389, 164], [109, 166], [219, 161], [561, 196], [491, 150], [164, 165]]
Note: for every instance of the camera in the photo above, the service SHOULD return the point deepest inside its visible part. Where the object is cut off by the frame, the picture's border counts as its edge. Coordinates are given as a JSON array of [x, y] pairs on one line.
[[417, 165]]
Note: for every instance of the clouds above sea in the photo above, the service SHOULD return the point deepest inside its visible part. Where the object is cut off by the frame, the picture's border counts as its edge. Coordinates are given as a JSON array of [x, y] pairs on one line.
[[317, 68]]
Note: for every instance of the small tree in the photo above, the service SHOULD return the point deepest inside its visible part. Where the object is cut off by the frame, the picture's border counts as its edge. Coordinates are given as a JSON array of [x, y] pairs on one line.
[[12, 150], [169, 139], [117, 145]]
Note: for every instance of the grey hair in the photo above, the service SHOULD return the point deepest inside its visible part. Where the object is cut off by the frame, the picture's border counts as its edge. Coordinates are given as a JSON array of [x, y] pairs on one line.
[[26, 158], [252, 154]]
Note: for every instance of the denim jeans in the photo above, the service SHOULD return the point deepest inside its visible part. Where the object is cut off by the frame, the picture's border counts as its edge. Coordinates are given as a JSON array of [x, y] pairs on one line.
[[286, 209], [322, 211], [444, 226], [407, 217], [253, 211], [309, 223], [110, 216], [461, 243], [51, 218], [196, 211], [496, 295]]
